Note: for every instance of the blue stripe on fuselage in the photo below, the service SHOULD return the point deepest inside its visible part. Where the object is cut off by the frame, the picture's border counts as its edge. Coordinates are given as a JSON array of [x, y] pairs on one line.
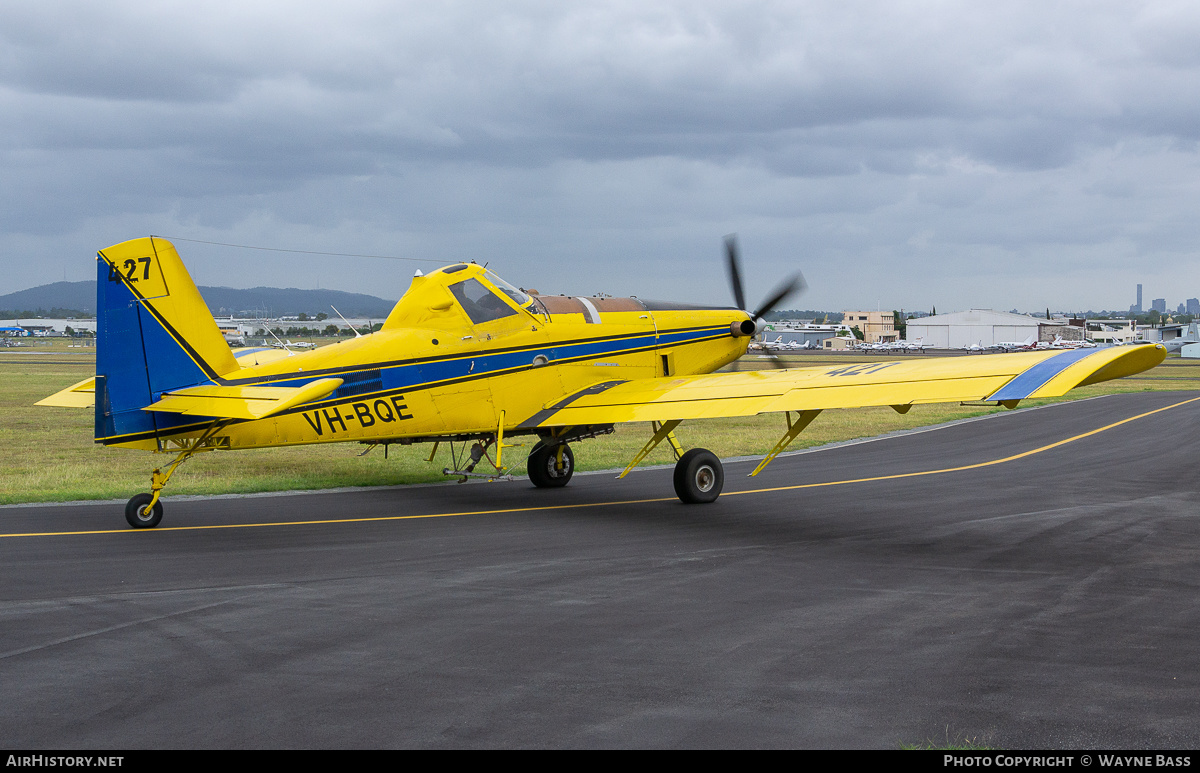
[[412, 375]]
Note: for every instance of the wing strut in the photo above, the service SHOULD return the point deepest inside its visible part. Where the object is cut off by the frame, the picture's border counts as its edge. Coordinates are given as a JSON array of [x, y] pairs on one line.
[[803, 419], [666, 430]]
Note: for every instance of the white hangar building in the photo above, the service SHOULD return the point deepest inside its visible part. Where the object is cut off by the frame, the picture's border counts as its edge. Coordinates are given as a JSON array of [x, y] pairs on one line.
[[965, 328]]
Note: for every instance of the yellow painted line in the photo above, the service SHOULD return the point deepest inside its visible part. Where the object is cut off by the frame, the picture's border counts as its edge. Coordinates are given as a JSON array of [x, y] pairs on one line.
[[343, 520], [976, 466]]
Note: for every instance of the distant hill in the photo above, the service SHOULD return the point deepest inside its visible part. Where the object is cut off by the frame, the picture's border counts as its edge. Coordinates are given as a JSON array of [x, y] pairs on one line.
[[222, 301], [77, 296], [278, 302]]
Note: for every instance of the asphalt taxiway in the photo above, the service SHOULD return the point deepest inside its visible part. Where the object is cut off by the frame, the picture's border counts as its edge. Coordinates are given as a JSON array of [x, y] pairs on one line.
[[1025, 581]]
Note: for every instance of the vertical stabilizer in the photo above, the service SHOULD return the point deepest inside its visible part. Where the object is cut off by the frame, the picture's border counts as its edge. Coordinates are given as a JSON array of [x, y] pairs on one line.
[[154, 334]]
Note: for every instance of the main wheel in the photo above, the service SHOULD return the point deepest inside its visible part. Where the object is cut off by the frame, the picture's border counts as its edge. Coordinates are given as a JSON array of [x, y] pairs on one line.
[[699, 477], [543, 467], [137, 514]]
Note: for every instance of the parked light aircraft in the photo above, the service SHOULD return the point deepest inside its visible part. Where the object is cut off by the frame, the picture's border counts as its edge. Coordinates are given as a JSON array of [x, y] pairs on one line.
[[1013, 346], [1060, 343], [465, 357]]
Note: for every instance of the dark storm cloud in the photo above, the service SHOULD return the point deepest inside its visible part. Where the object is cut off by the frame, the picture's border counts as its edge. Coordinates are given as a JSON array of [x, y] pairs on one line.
[[868, 139]]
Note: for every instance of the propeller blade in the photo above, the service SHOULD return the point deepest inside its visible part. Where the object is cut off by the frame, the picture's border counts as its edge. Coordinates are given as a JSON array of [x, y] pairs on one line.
[[735, 270], [795, 284]]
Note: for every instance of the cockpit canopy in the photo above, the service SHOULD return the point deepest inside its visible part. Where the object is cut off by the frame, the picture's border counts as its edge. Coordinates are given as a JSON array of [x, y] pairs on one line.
[[483, 305], [482, 296]]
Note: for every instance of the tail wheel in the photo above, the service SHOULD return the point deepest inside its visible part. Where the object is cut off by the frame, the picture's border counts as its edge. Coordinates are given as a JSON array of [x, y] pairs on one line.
[[140, 516], [699, 477], [544, 468]]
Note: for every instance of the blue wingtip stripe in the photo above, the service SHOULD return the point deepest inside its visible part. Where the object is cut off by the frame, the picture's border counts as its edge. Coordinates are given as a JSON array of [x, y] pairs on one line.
[[1028, 382]]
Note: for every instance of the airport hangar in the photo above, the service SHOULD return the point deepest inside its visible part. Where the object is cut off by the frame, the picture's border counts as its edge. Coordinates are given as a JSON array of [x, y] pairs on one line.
[[961, 329]]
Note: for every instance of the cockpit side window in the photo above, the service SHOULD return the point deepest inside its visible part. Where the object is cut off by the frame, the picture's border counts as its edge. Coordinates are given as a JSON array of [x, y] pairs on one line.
[[480, 303]]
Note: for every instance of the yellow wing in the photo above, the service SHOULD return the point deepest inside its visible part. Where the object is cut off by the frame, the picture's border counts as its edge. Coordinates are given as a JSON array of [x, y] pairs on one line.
[[1004, 378]]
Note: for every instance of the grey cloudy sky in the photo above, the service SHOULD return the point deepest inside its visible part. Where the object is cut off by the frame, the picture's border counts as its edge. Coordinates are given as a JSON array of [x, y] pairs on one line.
[[901, 154]]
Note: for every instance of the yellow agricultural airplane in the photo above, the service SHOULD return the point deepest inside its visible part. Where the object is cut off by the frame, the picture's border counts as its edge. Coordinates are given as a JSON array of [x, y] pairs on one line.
[[466, 357]]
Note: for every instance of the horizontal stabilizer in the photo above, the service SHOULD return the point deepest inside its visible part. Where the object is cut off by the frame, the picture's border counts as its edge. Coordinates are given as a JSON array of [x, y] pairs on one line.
[[242, 402], [81, 395]]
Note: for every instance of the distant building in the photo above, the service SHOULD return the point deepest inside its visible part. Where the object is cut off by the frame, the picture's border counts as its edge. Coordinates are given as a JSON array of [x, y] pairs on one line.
[[838, 343], [1111, 331], [1193, 306], [1163, 333], [809, 334], [1159, 305], [1137, 308], [1181, 309], [876, 326], [961, 329], [51, 327]]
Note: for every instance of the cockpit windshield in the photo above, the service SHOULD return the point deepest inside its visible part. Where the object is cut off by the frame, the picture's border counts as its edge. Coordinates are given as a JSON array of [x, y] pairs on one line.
[[480, 303], [517, 295]]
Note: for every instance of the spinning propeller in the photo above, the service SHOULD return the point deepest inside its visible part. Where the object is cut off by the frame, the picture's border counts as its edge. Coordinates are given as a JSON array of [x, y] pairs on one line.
[[792, 284]]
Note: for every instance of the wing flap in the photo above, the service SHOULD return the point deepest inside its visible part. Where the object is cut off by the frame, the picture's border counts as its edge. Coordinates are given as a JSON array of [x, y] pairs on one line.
[[242, 402], [949, 379]]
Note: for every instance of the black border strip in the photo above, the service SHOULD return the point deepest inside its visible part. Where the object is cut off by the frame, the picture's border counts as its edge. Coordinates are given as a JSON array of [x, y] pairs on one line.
[[536, 419]]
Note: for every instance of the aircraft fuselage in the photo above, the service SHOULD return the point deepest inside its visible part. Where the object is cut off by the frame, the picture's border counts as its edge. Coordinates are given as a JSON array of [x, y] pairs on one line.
[[432, 373]]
